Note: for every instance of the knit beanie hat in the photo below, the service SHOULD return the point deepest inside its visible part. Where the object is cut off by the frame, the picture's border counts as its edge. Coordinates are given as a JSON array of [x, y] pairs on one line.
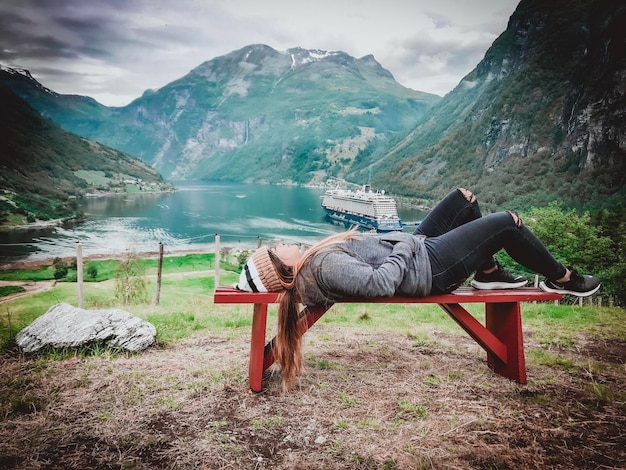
[[259, 274]]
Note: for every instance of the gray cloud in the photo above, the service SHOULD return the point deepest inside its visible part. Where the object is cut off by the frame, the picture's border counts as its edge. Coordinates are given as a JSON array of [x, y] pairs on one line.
[[113, 50], [49, 35]]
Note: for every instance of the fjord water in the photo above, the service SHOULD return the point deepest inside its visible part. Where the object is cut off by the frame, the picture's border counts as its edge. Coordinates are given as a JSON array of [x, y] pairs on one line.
[[187, 219]]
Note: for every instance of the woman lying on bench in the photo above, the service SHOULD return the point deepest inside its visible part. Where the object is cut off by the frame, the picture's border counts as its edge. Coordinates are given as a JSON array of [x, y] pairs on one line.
[[450, 244]]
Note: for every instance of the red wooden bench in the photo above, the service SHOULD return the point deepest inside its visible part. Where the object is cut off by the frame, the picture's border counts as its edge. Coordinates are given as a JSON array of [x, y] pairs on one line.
[[501, 336]]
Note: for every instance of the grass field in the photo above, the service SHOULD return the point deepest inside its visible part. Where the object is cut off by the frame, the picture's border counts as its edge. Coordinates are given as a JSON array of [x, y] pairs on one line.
[[385, 387]]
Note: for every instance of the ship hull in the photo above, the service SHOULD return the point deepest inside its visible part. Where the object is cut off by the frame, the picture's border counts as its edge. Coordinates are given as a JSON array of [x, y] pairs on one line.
[[363, 221]]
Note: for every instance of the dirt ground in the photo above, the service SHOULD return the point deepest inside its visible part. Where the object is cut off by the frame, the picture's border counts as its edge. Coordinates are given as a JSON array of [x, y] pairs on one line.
[[364, 402], [30, 288]]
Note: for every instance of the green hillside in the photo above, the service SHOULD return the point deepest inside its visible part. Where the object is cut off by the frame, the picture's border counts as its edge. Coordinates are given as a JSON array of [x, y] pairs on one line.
[[45, 169], [539, 119]]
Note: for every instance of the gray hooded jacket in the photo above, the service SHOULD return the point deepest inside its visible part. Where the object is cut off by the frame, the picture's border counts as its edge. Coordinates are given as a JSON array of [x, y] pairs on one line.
[[372, 265]]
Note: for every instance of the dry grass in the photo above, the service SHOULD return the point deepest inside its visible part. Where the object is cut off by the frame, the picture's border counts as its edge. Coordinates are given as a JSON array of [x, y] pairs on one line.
[[365, 402]]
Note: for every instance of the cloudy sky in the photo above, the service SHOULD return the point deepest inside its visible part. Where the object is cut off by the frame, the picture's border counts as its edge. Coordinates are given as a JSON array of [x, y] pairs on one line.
[[113, 50]]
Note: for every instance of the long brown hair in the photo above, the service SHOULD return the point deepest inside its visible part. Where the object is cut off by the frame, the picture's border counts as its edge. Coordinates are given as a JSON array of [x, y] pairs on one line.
[[288, 345]]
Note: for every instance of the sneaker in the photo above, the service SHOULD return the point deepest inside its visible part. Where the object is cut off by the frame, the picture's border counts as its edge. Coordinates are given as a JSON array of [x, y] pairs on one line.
[[580, 285], [499, 279]]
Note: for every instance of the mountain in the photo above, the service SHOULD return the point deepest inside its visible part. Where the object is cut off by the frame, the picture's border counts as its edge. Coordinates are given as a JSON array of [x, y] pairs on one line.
[[44, 169], [254, 114], [540, 118], [75, 111]]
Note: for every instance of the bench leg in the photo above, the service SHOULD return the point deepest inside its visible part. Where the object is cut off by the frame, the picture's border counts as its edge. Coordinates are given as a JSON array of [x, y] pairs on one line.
[[504, 320], [501, 337], [257, 347], [261, 354], [484, 337]]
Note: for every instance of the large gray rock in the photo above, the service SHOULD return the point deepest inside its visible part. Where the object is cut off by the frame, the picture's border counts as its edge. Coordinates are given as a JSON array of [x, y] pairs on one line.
[[64, 326]]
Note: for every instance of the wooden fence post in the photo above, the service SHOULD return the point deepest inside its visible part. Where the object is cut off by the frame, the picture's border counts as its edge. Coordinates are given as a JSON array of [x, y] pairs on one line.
[[159, 275], [79, 272], [217, 260]]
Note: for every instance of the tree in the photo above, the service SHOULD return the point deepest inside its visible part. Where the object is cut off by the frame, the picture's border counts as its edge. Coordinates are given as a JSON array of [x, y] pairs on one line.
[[130, 286], [571, 237], [575, 240], [612, 223]]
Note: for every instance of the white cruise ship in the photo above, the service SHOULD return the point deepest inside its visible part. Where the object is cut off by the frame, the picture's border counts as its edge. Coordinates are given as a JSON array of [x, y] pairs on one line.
[[364, 207]]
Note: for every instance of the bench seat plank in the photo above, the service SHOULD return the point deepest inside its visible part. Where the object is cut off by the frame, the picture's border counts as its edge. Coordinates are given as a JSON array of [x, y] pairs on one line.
[[501, 336], [230, 295]]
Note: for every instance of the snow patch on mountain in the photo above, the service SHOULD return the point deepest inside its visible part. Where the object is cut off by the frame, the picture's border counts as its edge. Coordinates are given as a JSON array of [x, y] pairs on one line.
[[26, 74], [301, 56]]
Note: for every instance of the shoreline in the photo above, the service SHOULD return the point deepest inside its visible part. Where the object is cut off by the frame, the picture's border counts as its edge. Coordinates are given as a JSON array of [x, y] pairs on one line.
[[38, 224], [43, 224]]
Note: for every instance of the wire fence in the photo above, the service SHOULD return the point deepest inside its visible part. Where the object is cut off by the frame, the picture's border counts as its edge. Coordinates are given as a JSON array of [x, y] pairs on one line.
[[192, 246]]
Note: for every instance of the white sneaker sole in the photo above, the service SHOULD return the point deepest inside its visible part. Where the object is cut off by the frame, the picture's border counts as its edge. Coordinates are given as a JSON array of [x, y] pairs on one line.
[[497, 285], [544, 287]]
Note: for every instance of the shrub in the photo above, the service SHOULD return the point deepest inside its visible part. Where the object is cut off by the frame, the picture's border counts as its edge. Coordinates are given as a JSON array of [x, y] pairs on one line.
[[92, 271], [130, 286], [60, 272]]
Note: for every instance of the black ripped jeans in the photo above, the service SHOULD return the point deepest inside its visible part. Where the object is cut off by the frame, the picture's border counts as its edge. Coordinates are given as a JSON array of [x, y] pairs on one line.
[[461, 241]]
